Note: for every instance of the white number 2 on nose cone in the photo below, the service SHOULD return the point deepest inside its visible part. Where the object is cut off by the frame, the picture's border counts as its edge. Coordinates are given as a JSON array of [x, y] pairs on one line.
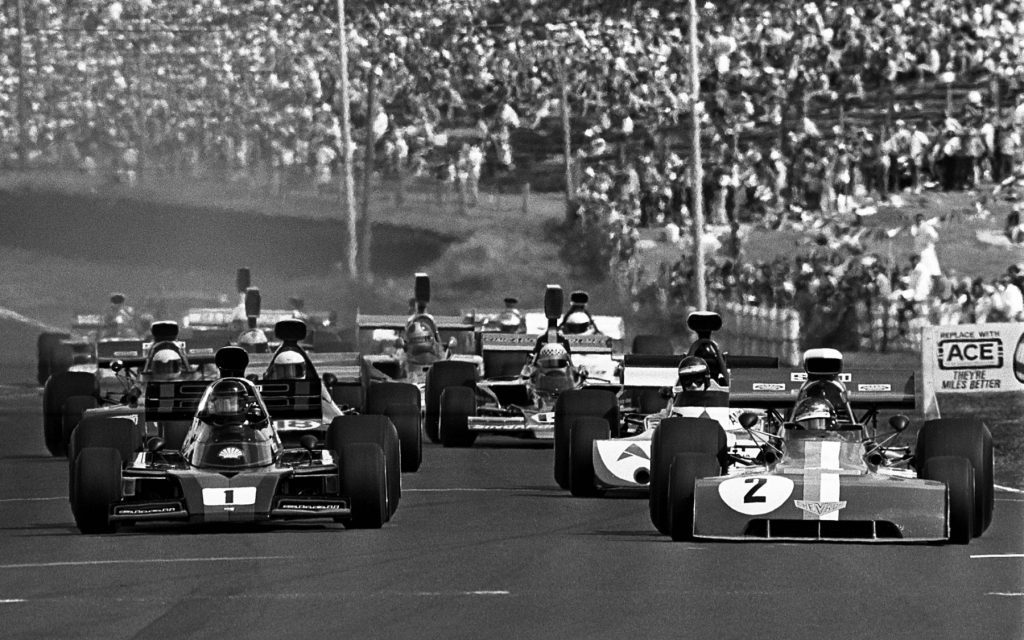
[[755, 495]]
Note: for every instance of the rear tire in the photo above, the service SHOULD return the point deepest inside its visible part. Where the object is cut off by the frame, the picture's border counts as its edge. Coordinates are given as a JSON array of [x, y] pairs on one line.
[[674, 436], [458, 404], [574, 404], [364, 481], [958, 476], [47, 346], [347, 430], [685, 470], [400, 401], [72, 413], [443, 374], [97, 474], [58, 388], [582, 434], [967, 438]]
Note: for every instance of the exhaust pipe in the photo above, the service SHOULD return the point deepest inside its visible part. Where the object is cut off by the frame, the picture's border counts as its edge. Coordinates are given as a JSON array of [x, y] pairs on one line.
[[642, 476]]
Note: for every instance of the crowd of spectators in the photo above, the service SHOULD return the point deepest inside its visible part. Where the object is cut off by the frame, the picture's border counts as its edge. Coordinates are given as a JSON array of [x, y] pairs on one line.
[[249, 89]]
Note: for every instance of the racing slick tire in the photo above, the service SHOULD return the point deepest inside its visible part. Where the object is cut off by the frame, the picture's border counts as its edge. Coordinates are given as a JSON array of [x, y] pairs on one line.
[[364, 480], [457, 405], [400, 401], [968, 438], [652, 345], [47, 353], [674, 436], [347, 430], [685, 470], [443, 374], [99, 431], [582, 434], [74, 408], [574, 404], [958, 476], [97, 474], [58, 388]]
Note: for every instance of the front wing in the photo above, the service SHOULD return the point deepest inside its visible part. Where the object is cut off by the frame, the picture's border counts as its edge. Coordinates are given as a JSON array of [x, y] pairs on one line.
[[213, 497], [840, 507]]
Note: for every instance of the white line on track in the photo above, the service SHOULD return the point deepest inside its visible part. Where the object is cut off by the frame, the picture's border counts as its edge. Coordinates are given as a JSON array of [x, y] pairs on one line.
[[1005, 595], [92, 563], [32, 499], [12, 600], [1009, 489], [999, 555], [10, 314]]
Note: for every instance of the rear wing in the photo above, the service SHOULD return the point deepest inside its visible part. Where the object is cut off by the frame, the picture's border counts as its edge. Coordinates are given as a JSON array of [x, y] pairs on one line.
[[397, 323], [292, 399], [663, 371], [613, 327], [130, 351], [217, 318], [285, 399], [525, 342], [133, 352], [176, 400], [88, 321], [867, 388], [345, 366]]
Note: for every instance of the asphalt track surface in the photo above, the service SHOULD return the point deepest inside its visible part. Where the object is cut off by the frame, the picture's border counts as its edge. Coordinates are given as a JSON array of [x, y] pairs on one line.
[[483, 546]]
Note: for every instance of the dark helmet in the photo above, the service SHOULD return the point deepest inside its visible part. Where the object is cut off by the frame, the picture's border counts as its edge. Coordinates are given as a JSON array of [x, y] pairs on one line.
[[815, 414], [227, 403], [576, 322], [694, 374]]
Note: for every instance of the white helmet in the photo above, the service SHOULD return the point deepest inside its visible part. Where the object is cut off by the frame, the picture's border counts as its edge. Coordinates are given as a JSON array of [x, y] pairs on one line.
[[553, 356], [576, 323], [288, 365], [166, 364]]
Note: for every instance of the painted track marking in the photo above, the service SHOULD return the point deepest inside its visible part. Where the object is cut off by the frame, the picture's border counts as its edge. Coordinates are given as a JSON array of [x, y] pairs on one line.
[[92, 563], [999, 555], [1005, 594]]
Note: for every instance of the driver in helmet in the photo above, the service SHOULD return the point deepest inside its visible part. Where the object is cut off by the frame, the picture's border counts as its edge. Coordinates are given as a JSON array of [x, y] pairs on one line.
[[420, 340], [511, 319], [552, 368], [814, 414], [287, 365], [166, 364], [227, 404], [693, 374]]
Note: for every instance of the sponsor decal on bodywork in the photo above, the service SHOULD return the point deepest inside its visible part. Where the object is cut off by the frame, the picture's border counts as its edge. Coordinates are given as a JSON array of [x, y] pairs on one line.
[[756, 495], [874, 387], [819, 509], [634, 450], [769, 386]]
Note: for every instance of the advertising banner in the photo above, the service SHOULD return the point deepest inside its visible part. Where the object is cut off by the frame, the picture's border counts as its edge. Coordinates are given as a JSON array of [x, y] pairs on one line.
[[971, 358]]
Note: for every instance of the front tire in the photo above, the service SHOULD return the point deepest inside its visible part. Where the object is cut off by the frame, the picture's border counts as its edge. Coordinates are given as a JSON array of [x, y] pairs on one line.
[[443, 374], [674, 436], [97, 473], [348, 430], [364, 481], [582, 434], [572, 405], [458, 404], [958, 476], [685, 470], [968, 438]]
